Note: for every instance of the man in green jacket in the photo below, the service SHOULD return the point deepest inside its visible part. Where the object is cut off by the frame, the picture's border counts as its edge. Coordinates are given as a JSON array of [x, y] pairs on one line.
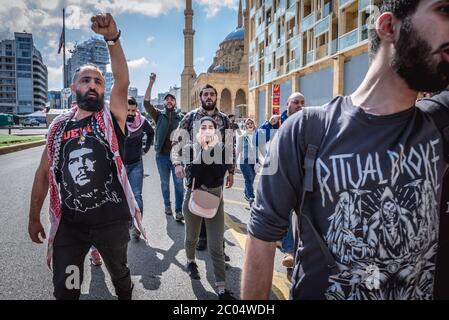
[[166, 121]]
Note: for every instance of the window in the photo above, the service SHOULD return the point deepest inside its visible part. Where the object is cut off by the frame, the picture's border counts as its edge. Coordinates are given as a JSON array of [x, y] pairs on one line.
[[24, 68], [23, 61], [27, 40], [24, 46], [23, 75]]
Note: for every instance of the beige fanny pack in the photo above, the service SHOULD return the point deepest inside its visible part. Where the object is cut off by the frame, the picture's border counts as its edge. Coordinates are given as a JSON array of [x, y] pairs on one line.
[[203, 203]]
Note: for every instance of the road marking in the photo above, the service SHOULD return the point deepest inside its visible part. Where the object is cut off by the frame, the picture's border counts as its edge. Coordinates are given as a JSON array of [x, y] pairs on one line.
[[245, 204], [242, 179], [280, 284]]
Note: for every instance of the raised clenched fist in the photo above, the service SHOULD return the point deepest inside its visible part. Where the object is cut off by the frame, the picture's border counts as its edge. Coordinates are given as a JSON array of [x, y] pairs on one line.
[[152, 78], [104, 25]]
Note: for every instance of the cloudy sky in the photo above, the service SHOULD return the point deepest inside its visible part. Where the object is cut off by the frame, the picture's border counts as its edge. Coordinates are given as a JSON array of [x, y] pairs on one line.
[[151, 32]]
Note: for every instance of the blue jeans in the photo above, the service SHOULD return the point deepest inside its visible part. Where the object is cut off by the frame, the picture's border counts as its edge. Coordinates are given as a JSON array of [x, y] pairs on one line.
[[287, 241], [135, 177], [249, 174], [165, 166]]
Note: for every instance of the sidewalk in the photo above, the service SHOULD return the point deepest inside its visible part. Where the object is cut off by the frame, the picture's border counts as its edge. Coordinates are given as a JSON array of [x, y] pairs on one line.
[[21, 146]]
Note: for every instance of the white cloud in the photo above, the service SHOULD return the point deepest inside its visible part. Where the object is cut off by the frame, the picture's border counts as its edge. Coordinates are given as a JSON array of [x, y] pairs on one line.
[[77, 18], [54, 78], [44, 19], [200, 60], [44, 16], [50, 52], [212, 7], [138, 63], [150, 39], [41, 16]]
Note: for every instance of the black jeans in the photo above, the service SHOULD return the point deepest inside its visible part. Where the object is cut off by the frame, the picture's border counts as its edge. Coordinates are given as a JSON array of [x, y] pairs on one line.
[[71, 245]]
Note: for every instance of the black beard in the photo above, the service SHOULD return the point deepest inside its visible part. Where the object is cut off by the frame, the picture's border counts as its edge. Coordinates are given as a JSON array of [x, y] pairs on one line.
[[130, 119], [90, 104], [208, 108], [413, 61]]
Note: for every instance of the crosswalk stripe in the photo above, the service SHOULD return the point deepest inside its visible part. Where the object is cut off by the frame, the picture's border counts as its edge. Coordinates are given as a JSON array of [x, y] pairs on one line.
[[245, 204]]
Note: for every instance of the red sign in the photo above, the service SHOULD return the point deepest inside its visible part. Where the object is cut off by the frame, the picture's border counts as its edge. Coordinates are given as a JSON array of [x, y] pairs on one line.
[[276, 97]]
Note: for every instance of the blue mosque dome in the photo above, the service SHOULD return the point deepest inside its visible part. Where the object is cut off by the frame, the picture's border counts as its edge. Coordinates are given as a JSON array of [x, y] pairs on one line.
[[220, 68], [237, 34]]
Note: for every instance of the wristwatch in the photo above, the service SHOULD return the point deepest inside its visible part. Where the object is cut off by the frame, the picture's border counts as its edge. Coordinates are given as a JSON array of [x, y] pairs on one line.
[[111, 42]]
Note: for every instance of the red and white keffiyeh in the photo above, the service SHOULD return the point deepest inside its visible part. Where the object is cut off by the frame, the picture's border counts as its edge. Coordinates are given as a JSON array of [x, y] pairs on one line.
[[138, 122], [56, 131]]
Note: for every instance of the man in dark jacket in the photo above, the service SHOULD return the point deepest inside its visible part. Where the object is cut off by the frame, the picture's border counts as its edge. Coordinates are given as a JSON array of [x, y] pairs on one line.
[[166, 120], [137, 126]]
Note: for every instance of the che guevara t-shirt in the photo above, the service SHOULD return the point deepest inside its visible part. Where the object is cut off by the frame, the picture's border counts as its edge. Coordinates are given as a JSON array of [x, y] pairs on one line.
[[90, 191]]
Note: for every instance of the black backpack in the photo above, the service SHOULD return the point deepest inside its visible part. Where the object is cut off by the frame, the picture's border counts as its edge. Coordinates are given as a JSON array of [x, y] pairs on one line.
[[314, 130], [438, 108]]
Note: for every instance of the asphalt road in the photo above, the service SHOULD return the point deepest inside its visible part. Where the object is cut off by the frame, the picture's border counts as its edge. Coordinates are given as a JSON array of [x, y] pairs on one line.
[[26, 131], [157, 268]]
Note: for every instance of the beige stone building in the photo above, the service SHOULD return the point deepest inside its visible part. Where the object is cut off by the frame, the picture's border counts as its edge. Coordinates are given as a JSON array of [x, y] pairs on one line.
[[228, 72], [318, 47]]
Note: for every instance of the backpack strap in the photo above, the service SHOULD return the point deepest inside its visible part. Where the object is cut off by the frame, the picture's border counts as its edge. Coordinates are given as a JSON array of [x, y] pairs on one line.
[[313, 130], [225, 120], [438, 109], [192, 117]]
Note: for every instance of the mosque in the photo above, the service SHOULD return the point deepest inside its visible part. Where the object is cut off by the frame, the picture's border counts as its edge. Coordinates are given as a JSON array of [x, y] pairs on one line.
[[228, 72]]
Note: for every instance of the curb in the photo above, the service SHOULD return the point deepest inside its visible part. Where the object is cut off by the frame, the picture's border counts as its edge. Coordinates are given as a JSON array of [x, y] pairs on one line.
[[21, 146]]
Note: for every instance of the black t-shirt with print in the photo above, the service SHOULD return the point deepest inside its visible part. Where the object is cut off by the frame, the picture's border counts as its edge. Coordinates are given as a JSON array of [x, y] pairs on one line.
[[375, 203], [91, 193]]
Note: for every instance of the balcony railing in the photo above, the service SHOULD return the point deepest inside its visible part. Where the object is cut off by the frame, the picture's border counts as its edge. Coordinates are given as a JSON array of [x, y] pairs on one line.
[[309, 57], [291, 12], [280, 51], [347, 40], [272, 28], [268, 4], [326, 10], [259, 30], [345, 3], [292, 65], [333, 48], [280, 10], [322, 26], [292, 32], [281, 38], [252, 45], [251, 60], [252, 83], [280, 71], [364, 32], [294, 42], [269, 76], [308, 22]]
